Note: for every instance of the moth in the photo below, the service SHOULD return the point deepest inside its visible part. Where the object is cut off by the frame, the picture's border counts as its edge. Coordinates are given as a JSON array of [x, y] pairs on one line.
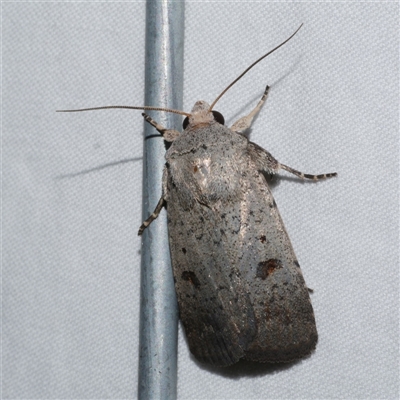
[[240, 290]]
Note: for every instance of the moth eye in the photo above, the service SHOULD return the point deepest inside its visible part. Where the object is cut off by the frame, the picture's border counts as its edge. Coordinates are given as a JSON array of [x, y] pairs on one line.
[[185, 123], [219, 117]]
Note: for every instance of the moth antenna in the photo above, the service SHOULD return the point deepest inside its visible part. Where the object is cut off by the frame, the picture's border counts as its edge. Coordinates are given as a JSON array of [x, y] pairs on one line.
[[130, 108], [251, 66]]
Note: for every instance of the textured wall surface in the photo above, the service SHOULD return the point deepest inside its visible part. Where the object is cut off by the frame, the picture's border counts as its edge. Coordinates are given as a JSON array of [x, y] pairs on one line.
[[71, 255]]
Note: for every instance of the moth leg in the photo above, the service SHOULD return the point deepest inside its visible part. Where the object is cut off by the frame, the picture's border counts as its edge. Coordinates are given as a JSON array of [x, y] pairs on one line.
[[169, 135], [265, 162], [160, 204], [245, 122], [153, 216], [308, 176]]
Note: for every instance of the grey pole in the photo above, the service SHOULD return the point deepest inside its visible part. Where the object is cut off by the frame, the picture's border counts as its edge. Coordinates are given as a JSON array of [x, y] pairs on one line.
[[158, 313]]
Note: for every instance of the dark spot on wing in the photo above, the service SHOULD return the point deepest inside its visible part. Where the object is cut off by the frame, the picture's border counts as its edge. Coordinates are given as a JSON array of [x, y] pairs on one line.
[[183, 250], [263, 239], [287, 319], [266, 268], [191, 277]]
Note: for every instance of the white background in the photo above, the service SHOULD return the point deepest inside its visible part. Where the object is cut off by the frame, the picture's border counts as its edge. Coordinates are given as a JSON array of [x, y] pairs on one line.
[[71, 255]]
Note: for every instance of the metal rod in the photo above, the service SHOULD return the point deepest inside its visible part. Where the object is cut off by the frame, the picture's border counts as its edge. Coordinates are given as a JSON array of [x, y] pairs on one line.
[[158, 313]]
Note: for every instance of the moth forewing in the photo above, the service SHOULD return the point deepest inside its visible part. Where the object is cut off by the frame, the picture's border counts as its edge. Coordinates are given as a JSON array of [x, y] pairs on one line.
[[240, 290]]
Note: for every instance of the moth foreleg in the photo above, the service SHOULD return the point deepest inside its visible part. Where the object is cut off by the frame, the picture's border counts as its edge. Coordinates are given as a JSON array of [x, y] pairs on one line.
[[169, 135], [153, 216], [245, 122]]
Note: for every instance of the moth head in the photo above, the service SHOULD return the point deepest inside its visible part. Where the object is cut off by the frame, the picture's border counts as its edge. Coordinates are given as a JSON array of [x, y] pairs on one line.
[[201, 114]]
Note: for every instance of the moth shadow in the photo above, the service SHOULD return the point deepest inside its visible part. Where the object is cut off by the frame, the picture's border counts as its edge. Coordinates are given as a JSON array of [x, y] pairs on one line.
[[97, 168], [245, 368]]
